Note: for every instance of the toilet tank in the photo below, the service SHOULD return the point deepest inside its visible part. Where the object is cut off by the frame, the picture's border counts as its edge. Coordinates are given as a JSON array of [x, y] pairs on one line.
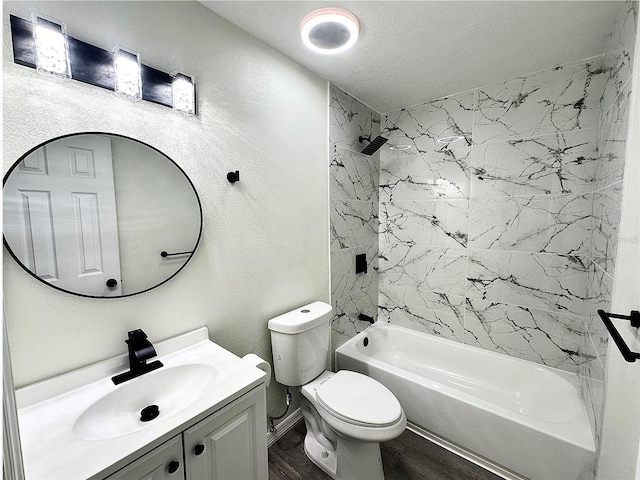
[[300, 343]]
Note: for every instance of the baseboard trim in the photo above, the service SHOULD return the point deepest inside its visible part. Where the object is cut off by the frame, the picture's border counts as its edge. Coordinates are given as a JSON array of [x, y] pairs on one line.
[[466, 454], [284, 426]]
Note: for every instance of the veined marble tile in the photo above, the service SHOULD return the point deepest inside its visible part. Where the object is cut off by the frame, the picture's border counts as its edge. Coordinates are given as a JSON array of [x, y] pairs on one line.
[[541, 223], [345, 281], [441, 174], [612, 145], [353, 176], [591, 375], [600, 287], [422, 310], [606, 219], [548, 338], [354, 224], [421, 125], [561, 100], [429, 222], [349, 119], [625, 28], [617, 71], [562, 163], [534, 280], [594, 404], [345, 324], [422, 267], [618, 112], [592, 368]]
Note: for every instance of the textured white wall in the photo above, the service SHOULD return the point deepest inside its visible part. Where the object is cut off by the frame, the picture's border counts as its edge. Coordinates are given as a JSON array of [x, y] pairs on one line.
[[265, 243]]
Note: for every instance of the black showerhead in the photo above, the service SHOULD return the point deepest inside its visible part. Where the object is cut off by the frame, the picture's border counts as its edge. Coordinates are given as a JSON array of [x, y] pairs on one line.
[[373, 145]]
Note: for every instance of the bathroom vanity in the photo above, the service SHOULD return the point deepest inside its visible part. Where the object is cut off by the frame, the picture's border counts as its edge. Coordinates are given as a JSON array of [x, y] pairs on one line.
[[222, 446], [210, 421]]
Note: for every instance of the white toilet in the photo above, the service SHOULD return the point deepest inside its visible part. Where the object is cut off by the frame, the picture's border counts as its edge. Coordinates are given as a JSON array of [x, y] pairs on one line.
[[346, 413]]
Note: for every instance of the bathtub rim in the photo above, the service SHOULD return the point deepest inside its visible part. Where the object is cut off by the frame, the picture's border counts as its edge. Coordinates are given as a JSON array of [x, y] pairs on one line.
[[568, 376]]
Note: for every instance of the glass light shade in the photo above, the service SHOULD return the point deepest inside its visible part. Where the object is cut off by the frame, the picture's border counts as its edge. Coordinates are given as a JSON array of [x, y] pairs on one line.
[[52, 51], [128, 83], [329, 30], [183, 94]]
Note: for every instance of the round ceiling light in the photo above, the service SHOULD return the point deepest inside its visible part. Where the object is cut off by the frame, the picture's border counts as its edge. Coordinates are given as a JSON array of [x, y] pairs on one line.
[[329, 30]]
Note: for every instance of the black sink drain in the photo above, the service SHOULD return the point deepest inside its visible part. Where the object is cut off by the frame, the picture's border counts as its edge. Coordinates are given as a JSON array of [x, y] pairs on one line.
[[149, 413]]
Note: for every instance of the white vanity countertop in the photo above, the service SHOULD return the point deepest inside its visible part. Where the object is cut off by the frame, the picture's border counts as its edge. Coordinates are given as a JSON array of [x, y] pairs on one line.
[[48, 410]]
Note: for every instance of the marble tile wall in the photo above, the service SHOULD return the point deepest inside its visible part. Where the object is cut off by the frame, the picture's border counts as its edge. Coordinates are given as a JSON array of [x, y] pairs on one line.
[[486, 240], [354, 185], [606, 200], [506, 238]]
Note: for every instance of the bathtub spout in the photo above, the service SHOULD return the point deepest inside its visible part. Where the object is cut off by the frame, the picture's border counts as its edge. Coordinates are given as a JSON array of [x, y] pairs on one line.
[[366, 318]]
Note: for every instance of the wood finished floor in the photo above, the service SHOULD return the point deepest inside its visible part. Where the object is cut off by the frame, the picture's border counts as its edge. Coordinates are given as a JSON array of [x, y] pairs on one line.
[[408, 457]]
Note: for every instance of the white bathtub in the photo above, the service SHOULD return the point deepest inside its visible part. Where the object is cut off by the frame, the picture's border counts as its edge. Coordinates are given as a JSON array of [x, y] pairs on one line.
[[525, 417]]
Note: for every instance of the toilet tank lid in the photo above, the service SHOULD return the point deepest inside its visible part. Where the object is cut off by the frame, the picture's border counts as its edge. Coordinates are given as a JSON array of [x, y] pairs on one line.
[[301, 319]]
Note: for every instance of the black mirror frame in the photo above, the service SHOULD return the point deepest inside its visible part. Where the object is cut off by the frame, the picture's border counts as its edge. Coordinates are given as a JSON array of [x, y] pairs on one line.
[[195, 192]]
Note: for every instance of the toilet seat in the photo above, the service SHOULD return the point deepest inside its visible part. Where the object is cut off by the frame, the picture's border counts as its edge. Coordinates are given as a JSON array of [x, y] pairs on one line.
[[359, 400], [345, 425]]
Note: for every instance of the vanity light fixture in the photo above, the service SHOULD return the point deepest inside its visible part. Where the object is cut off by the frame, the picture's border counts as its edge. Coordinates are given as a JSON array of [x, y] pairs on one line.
[[52, 50], [183, 94], [43, 44], [329, 30], [128, 82]]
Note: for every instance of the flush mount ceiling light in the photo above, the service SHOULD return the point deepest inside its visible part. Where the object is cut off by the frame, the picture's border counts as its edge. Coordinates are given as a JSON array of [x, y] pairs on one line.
[[329, 30]]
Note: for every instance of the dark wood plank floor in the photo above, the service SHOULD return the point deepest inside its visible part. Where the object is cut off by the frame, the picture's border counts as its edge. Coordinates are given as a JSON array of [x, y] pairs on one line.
[[408, 457]]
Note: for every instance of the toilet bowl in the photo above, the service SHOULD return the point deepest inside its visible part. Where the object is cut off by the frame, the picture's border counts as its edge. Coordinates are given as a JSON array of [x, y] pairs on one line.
[[346, 413]]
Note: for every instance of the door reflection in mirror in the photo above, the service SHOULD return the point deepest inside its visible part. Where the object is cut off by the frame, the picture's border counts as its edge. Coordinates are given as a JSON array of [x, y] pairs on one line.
[[90, 213]]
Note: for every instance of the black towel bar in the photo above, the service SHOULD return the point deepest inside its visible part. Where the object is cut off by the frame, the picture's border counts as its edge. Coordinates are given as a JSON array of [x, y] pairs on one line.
[[634, 318], [165, 254]]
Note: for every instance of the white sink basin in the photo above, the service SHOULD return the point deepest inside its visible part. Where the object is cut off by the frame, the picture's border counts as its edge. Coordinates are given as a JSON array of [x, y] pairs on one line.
[[171, 389], [79, 425]]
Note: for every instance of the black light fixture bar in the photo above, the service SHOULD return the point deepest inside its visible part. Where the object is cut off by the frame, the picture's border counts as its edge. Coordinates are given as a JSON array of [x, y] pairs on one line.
[[90, 64]]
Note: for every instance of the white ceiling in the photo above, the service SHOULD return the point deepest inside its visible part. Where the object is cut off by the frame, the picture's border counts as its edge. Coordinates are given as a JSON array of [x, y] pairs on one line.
[[410, 52]]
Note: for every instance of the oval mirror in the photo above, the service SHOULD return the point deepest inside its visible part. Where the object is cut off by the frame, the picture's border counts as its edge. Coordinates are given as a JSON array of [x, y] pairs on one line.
[[100, 215]]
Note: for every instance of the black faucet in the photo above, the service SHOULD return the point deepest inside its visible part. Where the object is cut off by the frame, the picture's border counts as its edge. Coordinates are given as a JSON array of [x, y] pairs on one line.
[[140, 350]]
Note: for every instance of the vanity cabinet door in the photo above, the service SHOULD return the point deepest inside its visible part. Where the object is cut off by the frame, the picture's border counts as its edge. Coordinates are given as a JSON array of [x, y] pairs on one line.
[[231, 444], [162, 463]]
